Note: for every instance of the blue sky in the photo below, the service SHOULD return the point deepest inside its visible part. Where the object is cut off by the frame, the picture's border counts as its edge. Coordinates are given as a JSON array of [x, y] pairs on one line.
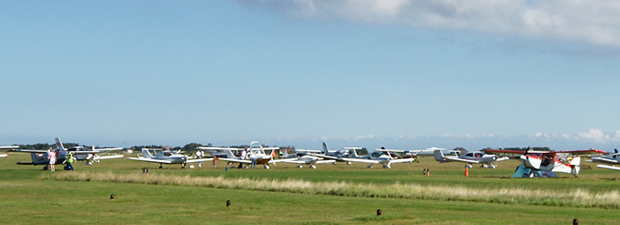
[[400, 74]]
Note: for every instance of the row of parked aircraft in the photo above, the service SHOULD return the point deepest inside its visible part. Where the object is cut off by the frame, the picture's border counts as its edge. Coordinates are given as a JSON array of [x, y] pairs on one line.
[[534, 163]]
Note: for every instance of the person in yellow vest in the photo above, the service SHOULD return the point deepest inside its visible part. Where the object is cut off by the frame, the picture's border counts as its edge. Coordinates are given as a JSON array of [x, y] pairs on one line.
[[69, 161]]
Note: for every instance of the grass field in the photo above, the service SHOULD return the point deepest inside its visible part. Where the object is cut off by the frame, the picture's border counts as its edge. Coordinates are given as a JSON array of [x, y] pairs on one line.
[[30, 195]]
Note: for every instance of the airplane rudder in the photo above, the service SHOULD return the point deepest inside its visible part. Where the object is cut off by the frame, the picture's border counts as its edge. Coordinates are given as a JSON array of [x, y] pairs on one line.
[[438, 155]]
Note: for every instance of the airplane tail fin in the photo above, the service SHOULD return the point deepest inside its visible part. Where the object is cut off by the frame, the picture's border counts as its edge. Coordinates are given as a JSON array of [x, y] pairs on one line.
[[229, 154], [146, 153], [325, 149], [59, 144], [353, 153], [284, 153], [34, 156], [575, 167], [438, 154]]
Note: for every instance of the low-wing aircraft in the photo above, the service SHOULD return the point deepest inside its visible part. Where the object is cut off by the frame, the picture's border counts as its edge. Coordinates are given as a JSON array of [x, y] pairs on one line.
[[385, 159], [9, 147], [39, 157], [431, 152], [166, 157], [251, 155], [305, 159], [476, 157], [546, 163], [610, 160], [338, 155]]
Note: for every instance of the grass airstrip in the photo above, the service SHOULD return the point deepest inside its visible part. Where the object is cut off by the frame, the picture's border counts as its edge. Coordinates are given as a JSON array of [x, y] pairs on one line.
[[330, 194]]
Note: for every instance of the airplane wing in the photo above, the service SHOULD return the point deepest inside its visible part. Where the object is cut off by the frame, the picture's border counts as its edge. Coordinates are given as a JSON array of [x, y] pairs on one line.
[[601, 159], [608, 167], [3, 155], [29, 150], [199, 160], [110, 157], [571, 152], [325, 161], [307, 150], [401, 160], [236, 160], [457, 159], [361, 160], [108, 149], [324, 156], [282, 160], [152, 160], [295, 161]]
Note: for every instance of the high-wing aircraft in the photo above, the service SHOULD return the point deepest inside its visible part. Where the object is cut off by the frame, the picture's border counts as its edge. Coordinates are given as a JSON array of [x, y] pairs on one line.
[[9, 147], [385, 159], [252, 155], [547, 163], [306, 159], [166, 157], [476, 157], [610, 160], [39, 157]]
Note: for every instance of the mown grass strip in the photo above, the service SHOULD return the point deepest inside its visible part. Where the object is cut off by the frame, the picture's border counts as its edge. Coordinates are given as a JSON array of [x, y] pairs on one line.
[[572, 198]]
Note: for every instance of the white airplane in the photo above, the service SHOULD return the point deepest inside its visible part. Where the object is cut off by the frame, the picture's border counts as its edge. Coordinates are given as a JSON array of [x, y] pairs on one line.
[[611, 160], [546, 163], [82, 153], [166, 157], [39, 157], [475, 157], [306, 159], [338, 155], [385, 159], [251, 155], [10, 147], [431, 152]]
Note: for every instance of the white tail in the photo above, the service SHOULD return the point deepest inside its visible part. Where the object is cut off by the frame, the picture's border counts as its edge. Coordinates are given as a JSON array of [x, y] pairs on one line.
[[146, 153], [325, 149], [59, 144], [229, 154], [353, 153], [284, 153], [575, 167]]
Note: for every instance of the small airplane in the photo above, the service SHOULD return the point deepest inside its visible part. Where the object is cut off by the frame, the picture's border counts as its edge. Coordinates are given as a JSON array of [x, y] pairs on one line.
[[166, 157], [305, 159], [10, 147], [431, 152], [251, 155], [547, 163], [476, 157], [338, 155], [39, 157], [385, 159], [611, 160]]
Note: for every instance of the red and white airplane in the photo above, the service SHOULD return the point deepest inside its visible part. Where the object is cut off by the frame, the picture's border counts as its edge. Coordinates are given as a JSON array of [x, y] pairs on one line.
[[546, 163]]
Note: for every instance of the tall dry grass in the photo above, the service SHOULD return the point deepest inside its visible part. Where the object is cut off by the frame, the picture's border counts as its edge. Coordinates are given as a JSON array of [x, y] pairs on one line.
[[572, 198]]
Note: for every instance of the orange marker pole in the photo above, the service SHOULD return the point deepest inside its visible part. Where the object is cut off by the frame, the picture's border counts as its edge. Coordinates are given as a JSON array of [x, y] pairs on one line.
[[466, 171]]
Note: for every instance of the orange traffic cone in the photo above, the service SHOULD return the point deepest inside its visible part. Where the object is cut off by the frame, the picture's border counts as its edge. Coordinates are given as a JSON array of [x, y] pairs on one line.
[[467, 171]]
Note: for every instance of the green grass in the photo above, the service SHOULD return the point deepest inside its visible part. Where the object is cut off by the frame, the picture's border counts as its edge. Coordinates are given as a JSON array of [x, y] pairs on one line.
[[25, 198]]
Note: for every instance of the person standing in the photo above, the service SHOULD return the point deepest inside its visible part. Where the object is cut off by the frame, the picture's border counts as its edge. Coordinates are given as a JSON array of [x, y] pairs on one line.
[[52, 160], [199, 155], [70, 161]]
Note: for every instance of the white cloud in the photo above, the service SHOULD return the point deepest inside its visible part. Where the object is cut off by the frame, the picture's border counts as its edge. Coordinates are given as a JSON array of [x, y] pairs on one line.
[[594, 21]]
